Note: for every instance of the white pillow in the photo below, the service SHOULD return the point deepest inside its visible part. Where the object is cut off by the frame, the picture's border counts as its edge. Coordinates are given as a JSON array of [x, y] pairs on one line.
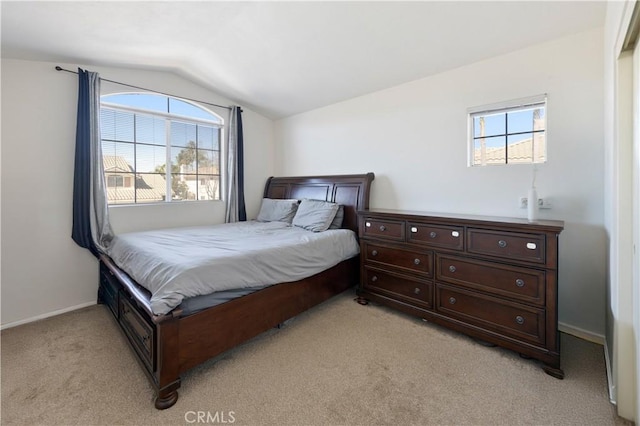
[[277, 210], [315, 215]]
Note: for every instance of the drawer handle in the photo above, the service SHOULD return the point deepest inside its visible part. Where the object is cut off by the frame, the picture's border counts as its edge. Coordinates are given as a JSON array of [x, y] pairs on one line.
[[520, 282], [502, 243], [519, 320], [383, 228], [452, 300], [433, 234], [452, 268], [374, 253], [455, 234], [531, 246], [414, 229], [416, 261], [417, 290], [374, 278]]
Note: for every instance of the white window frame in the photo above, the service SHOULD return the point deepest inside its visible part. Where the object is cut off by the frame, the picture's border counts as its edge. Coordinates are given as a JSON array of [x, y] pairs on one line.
[[501, 108], [170, 117]]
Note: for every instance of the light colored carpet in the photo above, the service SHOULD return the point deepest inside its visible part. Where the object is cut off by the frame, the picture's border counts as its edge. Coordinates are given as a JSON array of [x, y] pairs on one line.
[[340, 363]]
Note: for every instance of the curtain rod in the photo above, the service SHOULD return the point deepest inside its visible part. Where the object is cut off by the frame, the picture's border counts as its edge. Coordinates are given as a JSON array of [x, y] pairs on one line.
[[59, 68]]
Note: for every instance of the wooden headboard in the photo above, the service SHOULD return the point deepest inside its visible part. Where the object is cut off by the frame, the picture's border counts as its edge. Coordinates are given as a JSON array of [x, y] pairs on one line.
[[351, 191]]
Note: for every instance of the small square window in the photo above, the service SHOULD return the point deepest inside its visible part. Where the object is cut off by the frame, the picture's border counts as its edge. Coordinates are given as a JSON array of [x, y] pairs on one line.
[[509, 133]]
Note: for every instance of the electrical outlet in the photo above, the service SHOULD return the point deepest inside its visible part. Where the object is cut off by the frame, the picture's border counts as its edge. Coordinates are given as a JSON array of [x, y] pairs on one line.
[[543, 203], [523, 202]]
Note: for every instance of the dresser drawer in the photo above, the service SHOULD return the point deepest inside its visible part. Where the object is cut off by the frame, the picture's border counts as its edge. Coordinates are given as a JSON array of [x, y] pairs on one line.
[[527, 285], [398, 286], [388, 229], [139, 332], [510, 245], [508, 318], [420, 262], [451, 237]]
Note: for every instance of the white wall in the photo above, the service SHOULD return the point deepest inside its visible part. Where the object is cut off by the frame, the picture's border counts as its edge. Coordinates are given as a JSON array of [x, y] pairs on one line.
[[43, 271], [413, 137]]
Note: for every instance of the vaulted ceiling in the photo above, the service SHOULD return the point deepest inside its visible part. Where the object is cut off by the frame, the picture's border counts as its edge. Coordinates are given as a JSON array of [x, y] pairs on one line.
[[283, 58]]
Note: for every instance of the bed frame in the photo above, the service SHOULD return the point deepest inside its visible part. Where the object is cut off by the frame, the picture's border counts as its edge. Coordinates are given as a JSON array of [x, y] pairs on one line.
[[168, 345]]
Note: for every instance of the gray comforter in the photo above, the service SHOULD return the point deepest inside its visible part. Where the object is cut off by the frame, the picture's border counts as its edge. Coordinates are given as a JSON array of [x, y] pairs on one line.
[[174, 264]]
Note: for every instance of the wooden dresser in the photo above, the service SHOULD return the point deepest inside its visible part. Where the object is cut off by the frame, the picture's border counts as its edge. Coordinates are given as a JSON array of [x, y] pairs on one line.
[[495, 279]]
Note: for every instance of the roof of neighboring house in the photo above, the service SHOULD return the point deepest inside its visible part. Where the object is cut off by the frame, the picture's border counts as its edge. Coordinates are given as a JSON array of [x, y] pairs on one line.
[[203, 173], [150, 187], [124, 195], [519, 152], [210, 170], [201, 170], [116, 163]]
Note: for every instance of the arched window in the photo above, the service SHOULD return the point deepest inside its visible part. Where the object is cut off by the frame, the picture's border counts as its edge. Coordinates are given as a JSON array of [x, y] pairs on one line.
[[157, 148]]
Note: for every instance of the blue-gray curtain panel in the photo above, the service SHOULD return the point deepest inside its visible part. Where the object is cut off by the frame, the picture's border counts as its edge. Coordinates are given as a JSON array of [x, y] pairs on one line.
[[234, 177], [91, 228], [242, 212]]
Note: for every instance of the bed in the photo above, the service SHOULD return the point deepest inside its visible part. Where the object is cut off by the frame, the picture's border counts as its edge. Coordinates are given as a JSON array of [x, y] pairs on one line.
[[171, 343]]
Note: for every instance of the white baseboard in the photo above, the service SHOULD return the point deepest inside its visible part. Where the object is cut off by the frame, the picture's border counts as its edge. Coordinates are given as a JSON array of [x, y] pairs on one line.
[[607, 361], [47, 315], [581, 333]]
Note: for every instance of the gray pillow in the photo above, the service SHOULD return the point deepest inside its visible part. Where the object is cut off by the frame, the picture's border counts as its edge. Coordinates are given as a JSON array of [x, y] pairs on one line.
[[277, 210], [315, 215], [337, 221]]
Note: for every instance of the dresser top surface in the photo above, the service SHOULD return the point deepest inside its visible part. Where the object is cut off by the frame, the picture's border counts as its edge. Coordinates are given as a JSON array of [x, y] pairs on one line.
[[556, 225]]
